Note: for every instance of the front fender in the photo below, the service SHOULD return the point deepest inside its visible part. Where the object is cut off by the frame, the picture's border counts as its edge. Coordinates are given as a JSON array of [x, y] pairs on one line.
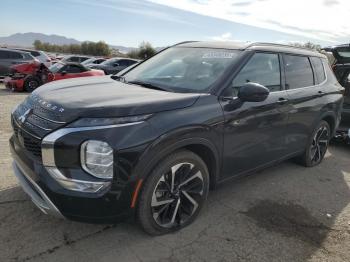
[[175, 140]]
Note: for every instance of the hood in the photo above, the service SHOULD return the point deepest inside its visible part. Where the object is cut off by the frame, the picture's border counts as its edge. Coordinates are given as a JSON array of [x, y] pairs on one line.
[[104, 97]]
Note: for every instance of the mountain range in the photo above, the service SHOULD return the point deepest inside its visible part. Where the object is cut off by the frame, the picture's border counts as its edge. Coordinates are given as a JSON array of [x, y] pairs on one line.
[[27, 40]]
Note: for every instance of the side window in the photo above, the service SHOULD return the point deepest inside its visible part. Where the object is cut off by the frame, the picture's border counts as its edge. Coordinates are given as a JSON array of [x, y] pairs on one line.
[[73, 69], [131, 62], [318, 69], [34, 53], [298, 71], [73, 59], [82, 59], [4, 54], [262, 68], [15, 55], [123, 62]]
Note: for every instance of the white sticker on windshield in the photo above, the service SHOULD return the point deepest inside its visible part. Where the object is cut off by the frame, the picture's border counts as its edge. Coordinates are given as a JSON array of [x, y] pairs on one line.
[[219, 55]]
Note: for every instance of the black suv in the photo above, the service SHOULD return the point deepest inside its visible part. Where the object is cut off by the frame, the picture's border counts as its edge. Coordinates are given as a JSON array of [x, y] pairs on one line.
[[151, 142], [339, 59]]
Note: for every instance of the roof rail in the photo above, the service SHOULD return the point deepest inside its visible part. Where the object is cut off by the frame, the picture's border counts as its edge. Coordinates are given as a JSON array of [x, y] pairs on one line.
[[185, 42], [281, 45]]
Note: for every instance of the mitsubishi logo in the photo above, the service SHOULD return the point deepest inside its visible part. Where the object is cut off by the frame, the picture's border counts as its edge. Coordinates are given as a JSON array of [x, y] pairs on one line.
[[23, 117]]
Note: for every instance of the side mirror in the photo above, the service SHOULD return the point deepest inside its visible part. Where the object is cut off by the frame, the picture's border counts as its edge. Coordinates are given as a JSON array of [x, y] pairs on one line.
[[63, 73], [253, 92]]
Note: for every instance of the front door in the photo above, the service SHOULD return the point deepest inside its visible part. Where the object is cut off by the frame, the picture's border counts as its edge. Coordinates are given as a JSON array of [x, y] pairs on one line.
[[254, 133]]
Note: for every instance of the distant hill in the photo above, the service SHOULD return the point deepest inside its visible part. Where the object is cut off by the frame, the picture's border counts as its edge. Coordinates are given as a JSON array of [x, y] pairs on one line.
[[27, 40]]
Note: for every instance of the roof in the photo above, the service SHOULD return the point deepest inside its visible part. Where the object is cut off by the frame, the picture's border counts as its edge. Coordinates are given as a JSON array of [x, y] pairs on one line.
[[252, 46], [14, 50]]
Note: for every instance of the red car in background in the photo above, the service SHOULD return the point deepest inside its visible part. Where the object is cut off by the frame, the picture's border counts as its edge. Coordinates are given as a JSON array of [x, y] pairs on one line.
[[27, 77]]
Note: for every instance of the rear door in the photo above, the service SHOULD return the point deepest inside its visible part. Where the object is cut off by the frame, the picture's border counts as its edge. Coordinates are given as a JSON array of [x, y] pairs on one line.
[[4, 63], [9, 58], [305, 92], [255, 133]]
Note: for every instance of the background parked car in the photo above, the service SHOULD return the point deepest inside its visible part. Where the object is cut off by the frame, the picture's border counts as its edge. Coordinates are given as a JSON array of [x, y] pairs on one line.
[[40, 55], [32, 75], [75, 58], [93, 61], [9, 57], [339, 59], [115, 65]]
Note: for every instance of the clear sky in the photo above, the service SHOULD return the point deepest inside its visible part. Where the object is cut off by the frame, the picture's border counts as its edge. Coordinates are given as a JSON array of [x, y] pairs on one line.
[[164, 22]]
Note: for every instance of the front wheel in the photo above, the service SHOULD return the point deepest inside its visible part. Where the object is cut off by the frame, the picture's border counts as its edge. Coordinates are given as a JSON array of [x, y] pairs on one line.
[[31, 83], [173, 194], [317, 146]]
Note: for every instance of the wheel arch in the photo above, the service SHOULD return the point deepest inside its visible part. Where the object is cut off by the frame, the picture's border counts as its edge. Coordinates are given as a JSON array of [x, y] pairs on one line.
[[331, 120], [202, 147]]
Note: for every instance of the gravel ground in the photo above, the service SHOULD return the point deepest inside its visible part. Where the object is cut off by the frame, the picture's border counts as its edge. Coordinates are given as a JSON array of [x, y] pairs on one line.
[[285, 213]]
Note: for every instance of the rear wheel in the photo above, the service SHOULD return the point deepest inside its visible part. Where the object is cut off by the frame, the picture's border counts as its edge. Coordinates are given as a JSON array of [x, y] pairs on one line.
[[31, 83], [317, 146], [173, 193]]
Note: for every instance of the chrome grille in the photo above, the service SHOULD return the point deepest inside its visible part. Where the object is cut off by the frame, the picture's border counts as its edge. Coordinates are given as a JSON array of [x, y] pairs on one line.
[[31, 125]]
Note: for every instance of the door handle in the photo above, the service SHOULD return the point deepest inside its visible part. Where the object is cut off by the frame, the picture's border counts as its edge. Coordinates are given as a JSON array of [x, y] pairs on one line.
[[282, 101]]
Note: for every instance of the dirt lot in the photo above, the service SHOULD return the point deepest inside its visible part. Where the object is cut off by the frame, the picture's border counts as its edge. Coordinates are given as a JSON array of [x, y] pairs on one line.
[[286, 213]]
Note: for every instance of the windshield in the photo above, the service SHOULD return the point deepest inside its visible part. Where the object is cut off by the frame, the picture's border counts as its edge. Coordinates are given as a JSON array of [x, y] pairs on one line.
[[56, 67], [183, 69], [88, 61]]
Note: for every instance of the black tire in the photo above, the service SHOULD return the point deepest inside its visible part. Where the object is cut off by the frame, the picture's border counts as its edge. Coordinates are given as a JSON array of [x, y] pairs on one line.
[[31, 83], [157, 217], [317, 145]]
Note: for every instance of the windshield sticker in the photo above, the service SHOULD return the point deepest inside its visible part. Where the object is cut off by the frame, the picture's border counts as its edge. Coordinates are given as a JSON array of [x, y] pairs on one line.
[[219, 55]]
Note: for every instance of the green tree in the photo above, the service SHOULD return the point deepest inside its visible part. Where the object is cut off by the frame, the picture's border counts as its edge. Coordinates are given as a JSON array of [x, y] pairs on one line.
[[87, 48], [144, 51], [308, 45]]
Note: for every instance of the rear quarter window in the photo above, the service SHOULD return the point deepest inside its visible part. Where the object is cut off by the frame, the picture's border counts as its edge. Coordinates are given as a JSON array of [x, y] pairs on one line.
[[320, 74], [4, 54], [34, 53], [298, 71], [15, 55]]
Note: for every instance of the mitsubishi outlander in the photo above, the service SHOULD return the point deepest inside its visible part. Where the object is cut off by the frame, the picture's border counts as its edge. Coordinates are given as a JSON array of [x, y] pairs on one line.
[[151, 142]]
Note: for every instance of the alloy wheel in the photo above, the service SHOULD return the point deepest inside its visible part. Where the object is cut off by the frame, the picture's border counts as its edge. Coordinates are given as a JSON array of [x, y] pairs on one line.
[[33, 84], [177, 195], [319, 144]]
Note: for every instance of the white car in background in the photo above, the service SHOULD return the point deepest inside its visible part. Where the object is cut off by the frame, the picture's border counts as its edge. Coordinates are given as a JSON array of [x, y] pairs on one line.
[[40, 55]]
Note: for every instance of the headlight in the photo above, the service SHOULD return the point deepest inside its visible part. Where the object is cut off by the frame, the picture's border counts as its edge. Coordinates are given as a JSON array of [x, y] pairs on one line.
[[87, 122], [97, 158]]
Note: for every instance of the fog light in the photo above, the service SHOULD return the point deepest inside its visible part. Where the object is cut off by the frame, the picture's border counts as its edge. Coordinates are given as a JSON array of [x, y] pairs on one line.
[[97, 158], [76, 185]]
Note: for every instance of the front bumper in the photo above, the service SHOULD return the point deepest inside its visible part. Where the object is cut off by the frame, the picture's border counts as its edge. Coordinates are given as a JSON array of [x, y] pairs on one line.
[[37, 195], [110, 206], [14, 84]]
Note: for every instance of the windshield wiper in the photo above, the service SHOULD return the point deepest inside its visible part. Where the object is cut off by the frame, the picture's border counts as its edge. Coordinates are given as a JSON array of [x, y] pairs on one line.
[[149, 85]]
